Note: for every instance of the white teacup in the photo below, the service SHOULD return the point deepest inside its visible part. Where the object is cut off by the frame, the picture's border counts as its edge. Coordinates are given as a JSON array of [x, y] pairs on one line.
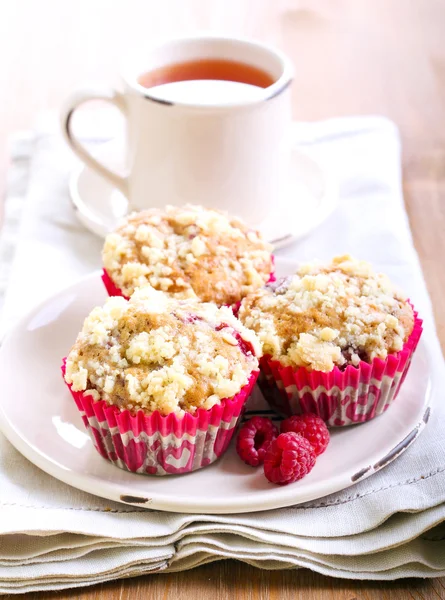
[[222, 145]]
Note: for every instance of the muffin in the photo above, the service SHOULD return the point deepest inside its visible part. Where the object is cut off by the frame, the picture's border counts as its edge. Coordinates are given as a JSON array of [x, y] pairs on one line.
[[160, 382], [186, 251], [337, 340]]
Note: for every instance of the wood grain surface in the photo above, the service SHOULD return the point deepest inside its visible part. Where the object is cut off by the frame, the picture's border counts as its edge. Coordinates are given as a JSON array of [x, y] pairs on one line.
[[351, 57]]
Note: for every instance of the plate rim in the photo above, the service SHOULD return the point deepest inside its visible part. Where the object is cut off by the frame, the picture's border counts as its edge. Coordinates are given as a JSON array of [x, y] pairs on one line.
[[164, 502]]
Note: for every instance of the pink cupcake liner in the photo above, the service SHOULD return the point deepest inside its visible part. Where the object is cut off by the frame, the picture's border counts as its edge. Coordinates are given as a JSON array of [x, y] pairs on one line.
[[161, 445], [340, 398], [110, 286], [113, 290]]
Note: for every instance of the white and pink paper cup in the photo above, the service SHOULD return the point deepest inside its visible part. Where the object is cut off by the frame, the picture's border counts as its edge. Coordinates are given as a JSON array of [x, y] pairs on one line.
[[340, 397], [110, 286], [155, 444]]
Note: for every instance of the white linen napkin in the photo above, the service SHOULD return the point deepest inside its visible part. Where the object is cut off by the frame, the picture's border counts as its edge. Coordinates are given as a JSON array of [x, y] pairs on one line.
[[53, 536]]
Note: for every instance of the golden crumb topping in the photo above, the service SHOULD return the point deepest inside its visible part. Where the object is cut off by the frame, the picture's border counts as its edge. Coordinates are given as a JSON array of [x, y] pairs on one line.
[[188, 249], [328, 315], [156, 352]]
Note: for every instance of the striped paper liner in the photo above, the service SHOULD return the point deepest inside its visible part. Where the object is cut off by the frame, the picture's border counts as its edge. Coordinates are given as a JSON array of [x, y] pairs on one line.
[[340, 397], [155, 444]]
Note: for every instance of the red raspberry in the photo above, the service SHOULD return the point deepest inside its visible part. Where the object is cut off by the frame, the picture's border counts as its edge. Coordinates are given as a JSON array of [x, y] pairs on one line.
[[310, 427], [254, 438], [288, 458]]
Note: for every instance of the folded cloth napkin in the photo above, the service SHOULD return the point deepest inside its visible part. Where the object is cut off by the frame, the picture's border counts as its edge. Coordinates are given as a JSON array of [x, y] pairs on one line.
[[388, 526]]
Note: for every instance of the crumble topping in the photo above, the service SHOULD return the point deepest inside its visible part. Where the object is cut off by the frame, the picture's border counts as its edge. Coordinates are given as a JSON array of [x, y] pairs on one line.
[[155, 352], [329, 315], [188, 250]]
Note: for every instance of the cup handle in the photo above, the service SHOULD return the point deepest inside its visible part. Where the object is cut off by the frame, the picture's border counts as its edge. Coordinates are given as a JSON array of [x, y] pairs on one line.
[[76, 100]]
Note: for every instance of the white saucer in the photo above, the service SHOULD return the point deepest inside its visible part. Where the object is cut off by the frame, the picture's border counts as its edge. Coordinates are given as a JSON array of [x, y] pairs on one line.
[[39, 417], [311, 196]]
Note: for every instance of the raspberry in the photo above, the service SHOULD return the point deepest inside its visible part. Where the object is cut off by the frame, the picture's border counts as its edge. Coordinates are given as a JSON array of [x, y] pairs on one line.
[[254, 438], [310, 427], [245, 347], [288, 458]]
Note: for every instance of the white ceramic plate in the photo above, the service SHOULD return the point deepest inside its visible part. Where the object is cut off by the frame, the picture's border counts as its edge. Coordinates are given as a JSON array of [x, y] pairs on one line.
[[310, 197], [39, 417]]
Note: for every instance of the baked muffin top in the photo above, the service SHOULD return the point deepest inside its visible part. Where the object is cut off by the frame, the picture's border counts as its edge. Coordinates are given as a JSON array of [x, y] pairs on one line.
[[155, 352], [188, 249], [329, 315]]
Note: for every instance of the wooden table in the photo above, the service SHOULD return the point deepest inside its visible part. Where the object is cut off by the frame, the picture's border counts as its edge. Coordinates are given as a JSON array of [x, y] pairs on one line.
[[351, 57]]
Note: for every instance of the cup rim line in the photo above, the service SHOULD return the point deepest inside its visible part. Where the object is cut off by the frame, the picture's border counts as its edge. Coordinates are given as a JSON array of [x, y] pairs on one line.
[[279, 86]]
